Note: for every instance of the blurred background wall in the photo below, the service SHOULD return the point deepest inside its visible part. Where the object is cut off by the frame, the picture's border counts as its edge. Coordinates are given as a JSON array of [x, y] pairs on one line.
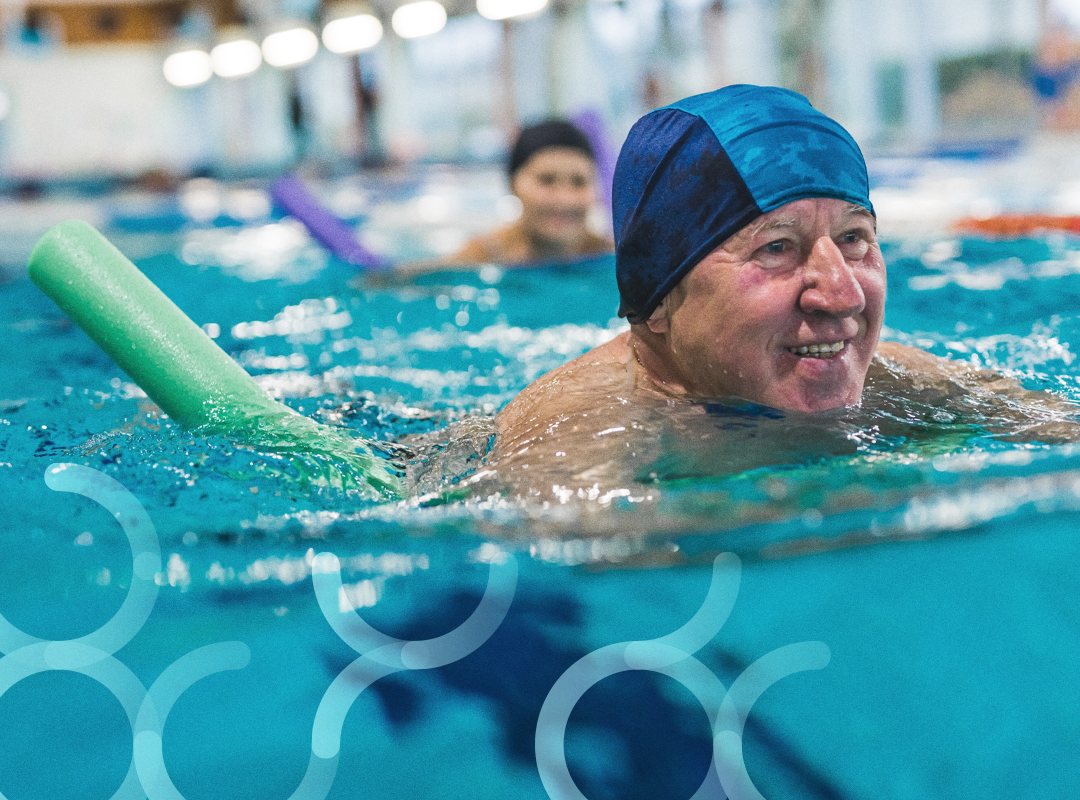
[[161, 89]]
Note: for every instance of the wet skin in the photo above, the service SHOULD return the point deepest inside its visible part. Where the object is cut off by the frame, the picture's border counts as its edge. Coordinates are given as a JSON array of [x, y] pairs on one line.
[[805, 275], [808, 274]]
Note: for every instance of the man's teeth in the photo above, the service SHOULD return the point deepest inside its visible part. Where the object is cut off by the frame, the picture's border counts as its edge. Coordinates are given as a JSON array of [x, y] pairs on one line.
[[818, 350]]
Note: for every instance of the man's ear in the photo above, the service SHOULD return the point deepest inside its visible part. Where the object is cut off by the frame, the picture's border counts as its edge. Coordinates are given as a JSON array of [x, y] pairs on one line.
[[658, 321]]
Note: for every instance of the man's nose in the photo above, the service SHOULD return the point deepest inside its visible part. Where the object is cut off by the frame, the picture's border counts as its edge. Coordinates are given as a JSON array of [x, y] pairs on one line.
[[829, 282]]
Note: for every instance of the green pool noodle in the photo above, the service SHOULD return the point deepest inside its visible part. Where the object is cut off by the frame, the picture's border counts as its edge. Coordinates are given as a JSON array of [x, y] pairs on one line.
[[182, 369]]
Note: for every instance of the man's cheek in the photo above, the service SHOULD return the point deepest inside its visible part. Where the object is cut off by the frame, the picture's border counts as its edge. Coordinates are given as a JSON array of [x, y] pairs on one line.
[[873, 287]]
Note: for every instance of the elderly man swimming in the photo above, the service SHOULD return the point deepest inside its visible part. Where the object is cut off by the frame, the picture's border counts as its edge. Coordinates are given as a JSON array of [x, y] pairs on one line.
[[748, 267]]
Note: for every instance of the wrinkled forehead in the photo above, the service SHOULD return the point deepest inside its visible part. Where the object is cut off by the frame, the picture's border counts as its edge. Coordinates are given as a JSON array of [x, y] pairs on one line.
[[803, 216]]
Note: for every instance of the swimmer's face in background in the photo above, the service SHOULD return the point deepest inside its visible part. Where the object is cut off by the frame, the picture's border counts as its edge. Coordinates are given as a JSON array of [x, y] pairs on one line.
[[556, 187], [807, 275]]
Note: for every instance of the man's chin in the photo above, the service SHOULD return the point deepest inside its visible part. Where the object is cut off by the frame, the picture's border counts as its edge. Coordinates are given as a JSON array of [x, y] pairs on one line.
[[817, 384], [813, 399]]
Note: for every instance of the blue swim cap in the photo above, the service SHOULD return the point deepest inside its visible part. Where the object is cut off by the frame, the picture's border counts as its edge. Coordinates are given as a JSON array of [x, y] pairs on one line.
[[693, 173]]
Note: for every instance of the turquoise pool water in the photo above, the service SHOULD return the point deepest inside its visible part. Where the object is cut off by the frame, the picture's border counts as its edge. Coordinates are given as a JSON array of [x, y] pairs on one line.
[[933, 556]]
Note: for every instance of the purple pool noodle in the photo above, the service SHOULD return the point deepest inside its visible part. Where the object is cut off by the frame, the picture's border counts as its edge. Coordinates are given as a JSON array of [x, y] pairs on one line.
[[592, 125], [293, 198]]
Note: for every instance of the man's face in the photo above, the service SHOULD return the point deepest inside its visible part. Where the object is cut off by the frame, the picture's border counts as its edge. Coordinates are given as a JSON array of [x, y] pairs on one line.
[[555, 187], [807, 276]]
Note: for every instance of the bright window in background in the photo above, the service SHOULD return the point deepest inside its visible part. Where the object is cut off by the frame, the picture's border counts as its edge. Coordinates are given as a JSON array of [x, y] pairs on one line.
[[290, 48], [236, 59], [352, 34], [505, 9], [413, 20], [188, 68]]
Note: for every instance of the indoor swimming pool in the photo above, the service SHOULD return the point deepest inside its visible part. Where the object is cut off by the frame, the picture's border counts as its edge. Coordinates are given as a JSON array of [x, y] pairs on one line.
[[926, 544]]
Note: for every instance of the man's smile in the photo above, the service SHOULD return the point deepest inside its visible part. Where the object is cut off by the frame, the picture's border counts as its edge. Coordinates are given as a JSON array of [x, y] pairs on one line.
[[817, 350]]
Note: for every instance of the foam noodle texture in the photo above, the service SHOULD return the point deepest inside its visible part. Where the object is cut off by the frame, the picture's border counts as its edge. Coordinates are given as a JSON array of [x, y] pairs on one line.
[[292, 196], [182, 369]]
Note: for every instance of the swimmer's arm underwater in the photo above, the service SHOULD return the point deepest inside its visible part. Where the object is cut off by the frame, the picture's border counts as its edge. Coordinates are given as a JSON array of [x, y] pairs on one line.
[[1010, 410]]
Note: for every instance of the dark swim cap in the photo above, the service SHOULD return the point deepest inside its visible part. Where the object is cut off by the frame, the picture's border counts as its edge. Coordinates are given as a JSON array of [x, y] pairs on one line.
[[553, 133], [693, 173]]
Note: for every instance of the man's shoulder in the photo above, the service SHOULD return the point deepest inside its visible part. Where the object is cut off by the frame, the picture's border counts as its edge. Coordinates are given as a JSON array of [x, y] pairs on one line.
[[588, 371], [913, 359], [1003, 402], [922, 368], [919, 370], [575, 386], [908, 368]]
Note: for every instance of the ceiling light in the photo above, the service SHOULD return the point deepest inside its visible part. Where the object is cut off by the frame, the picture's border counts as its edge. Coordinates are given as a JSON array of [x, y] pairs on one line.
[[188, 68], [505, 9], [236, 58], [352, 34], [413, 20], [290, 48]]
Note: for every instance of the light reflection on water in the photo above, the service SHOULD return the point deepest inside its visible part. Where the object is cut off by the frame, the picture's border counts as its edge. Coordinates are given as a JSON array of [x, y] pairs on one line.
[[423, 365]]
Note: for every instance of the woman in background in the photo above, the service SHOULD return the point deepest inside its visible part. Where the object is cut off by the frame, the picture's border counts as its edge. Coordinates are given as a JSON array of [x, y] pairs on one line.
[[553, 173]]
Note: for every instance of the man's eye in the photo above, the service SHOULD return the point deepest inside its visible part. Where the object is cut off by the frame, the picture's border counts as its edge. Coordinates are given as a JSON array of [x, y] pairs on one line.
[[854, 245], [779, 254], [545, 179]]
